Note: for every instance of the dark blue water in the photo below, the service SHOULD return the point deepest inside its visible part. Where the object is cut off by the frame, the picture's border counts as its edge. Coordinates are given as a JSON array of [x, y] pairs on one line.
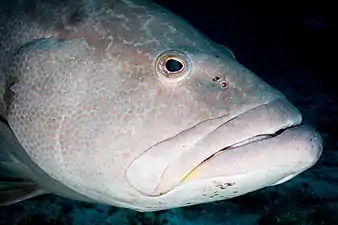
[[294, 49]]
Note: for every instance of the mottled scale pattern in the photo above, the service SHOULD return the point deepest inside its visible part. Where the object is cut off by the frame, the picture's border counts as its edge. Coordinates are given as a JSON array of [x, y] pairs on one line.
[[79, 89], [46, 93]]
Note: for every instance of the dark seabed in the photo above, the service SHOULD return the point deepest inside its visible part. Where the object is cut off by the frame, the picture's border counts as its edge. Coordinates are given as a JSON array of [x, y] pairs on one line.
[[294, 49]]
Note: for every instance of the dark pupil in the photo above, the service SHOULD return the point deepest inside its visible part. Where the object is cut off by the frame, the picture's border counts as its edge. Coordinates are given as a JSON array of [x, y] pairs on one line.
[[173, 65]]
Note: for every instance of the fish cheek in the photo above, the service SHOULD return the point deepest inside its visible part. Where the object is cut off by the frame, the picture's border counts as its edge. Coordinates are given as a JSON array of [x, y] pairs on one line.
[[78, 141]]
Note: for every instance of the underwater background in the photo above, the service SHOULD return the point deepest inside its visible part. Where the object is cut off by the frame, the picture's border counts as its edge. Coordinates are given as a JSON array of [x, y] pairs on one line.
[[293, 47]]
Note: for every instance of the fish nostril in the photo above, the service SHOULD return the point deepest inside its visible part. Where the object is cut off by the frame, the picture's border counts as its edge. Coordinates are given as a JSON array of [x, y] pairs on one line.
[[216, 78], [223, 84]]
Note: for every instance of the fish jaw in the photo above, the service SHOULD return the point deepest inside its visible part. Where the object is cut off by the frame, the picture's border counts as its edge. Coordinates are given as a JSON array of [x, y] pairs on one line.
[[213, 150], [248, 168], [292, 152]]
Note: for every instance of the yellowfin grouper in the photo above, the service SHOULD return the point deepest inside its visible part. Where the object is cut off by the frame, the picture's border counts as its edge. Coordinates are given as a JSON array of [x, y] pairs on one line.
[[123, 103]]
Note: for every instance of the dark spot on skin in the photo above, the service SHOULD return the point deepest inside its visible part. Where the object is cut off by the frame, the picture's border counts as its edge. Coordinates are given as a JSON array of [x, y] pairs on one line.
[[224, 185], [235, 191], [217, 56]]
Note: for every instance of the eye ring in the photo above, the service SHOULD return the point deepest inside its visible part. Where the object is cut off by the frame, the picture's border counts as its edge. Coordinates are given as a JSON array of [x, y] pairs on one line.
[[178, 61]]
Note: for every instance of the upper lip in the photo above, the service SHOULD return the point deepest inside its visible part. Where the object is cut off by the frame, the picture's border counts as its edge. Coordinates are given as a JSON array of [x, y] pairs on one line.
[[185, 153]]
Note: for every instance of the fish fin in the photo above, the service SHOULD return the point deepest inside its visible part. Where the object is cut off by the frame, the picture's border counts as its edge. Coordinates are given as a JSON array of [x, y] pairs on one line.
[[13, 190], [15, 185]]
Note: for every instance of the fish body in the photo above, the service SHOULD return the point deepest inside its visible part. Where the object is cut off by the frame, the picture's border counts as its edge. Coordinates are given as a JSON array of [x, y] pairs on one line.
[[124, 103]]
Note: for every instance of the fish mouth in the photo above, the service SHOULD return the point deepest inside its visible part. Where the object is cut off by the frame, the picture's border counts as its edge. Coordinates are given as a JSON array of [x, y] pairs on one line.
[[181, 159], [297, 147]]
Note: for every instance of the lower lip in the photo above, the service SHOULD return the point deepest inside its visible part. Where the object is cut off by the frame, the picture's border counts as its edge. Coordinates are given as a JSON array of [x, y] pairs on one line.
[[298, 147]]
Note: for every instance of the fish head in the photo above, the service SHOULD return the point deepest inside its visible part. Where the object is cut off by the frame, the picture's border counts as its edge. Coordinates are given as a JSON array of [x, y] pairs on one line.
[[147, 113]]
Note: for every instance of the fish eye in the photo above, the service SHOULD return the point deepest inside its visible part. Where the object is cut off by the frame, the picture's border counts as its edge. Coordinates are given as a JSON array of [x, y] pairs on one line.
[[172, 66]]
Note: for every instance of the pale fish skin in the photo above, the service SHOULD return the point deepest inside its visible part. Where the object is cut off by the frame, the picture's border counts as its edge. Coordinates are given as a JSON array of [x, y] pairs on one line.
[[97, 113]]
